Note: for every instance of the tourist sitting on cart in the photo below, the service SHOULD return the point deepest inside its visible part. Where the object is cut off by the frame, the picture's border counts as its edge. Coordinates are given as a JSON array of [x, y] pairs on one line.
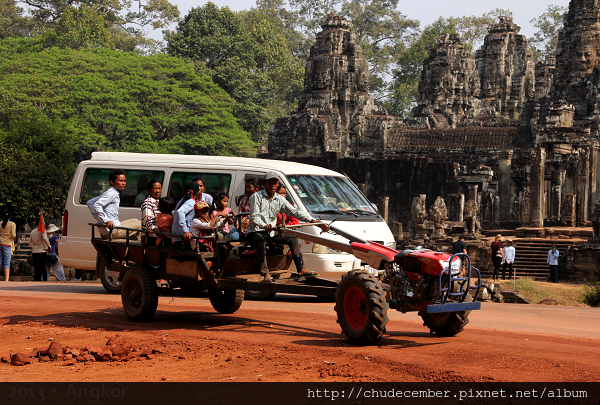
[[264, 207], [183, 216], [105, 209], [204, 225]]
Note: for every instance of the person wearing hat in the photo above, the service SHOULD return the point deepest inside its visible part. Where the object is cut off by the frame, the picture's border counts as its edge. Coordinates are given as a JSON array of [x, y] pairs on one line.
[[264, 207], [52, 261], [203, 225], [509, 258], [496, 255]]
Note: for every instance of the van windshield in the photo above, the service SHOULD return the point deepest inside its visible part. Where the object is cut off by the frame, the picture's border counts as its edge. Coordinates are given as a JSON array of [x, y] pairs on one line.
[[330, 196]]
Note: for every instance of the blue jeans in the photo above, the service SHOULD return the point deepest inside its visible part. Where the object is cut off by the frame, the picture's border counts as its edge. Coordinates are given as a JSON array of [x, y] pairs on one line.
[[5, 253]]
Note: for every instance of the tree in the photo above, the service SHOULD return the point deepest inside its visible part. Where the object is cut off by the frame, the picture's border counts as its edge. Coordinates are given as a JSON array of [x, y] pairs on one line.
[[36, 161], [473, 29], [544, 41], [406, 76], [383, 32], [125, 20], [79, 28], [12, 21], [245, 55], [123, 101]]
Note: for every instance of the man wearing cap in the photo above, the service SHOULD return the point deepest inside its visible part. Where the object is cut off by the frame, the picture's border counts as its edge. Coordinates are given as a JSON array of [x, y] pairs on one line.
[[509, 258], [264, 207]]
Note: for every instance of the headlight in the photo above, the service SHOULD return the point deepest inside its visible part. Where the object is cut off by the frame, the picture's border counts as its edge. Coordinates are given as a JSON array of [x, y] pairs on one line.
[[456, 266], [322, 250], [391, 245]]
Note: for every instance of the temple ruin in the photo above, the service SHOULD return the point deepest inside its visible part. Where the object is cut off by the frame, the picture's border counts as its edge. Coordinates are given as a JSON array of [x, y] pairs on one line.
[[503, 142]]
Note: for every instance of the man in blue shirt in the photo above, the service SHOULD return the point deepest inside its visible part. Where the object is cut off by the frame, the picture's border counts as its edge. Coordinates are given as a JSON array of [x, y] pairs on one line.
[[553, 263], [105, 209]]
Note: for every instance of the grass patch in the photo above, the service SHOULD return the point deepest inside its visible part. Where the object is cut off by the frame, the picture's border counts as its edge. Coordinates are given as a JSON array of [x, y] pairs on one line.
[[549, 293], [591, 293]]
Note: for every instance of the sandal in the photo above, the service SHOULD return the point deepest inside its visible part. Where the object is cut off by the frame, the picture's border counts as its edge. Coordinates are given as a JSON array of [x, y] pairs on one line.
[[311, 273], [268, 280]]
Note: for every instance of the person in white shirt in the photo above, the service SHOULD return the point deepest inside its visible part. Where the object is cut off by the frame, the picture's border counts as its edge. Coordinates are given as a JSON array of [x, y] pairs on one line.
[[553, 263], [509, 259]]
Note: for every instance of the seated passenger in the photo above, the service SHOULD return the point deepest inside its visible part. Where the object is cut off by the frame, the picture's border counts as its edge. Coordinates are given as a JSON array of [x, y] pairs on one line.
[[182, 218], [243, 202], [264, 207], [204, 225], [150, 211], [164, 220], [201, 195], [221, 209], [289, 220], [105, 209]]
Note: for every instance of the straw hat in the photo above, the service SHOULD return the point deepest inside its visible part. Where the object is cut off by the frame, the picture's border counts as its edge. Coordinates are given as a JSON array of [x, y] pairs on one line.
[[509, 241], [499, 237], [52, 228]]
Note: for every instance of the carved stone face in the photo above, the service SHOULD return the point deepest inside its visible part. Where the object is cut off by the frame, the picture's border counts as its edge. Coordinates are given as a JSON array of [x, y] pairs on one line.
[[585, 58]]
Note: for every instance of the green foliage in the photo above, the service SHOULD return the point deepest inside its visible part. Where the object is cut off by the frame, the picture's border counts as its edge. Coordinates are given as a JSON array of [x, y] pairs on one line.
[[405, 84], [79, 28], [36, 161], [383, 32], [247, 56], [126, 20], [545, 39], [122, 101], [473, 29], [12, 21], [591, 292]]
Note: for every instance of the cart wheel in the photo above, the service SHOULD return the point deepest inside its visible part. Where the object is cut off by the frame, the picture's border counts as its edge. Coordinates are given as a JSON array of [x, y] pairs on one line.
[[261, 295], [361, 307], [446, 323], [109, 279], [139, 294], [226, 301]]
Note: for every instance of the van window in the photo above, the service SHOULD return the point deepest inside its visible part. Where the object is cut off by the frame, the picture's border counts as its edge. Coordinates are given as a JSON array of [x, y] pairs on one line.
[[214, 182], [330, 196], [96, 182]]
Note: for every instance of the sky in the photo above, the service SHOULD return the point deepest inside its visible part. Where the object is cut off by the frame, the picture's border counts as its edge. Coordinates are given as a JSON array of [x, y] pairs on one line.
[[427, 11]]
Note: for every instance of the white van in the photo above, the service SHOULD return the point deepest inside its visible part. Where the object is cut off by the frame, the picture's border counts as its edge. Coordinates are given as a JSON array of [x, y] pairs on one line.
[[325, 194]]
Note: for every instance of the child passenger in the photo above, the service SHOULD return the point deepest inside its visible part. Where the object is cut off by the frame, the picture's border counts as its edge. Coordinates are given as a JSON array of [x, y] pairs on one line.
[[221, 208], [203, 225], [164, 219]]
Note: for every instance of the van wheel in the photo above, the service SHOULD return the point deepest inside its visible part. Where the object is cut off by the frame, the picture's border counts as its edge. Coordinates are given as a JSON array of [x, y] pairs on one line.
[[226, 301], [109, 279], [139, 294]]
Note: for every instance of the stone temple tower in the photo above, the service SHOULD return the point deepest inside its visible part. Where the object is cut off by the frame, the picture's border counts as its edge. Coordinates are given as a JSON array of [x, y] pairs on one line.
[[333, 113]]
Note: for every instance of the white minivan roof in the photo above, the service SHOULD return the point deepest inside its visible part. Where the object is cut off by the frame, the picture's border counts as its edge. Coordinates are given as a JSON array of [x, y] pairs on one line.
[[222, 161]]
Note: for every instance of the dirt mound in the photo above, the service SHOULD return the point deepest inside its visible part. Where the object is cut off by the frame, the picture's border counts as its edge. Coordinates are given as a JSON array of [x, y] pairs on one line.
[[550, 301], [116, 349]]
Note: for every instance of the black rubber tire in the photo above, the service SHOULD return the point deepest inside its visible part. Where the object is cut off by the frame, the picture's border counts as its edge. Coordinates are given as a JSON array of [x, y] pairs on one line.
[[109, 283], [226, 301], [361, 307], [259, 295], [448, 323], [139, 294]]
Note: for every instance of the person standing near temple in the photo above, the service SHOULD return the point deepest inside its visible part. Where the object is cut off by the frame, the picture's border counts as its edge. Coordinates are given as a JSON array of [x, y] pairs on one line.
[[496, 255], [8, 233], [553, 263], [509, 259]]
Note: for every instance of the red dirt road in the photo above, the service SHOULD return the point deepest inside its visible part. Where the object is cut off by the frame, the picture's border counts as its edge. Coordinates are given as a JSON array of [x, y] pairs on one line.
[[290, 339]]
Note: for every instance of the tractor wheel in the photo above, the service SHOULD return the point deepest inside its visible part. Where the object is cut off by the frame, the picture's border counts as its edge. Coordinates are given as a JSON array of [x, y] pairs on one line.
[[109, 279], [259, 295], [446, 323], [361, 307], [226, 301], [139, 294]]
